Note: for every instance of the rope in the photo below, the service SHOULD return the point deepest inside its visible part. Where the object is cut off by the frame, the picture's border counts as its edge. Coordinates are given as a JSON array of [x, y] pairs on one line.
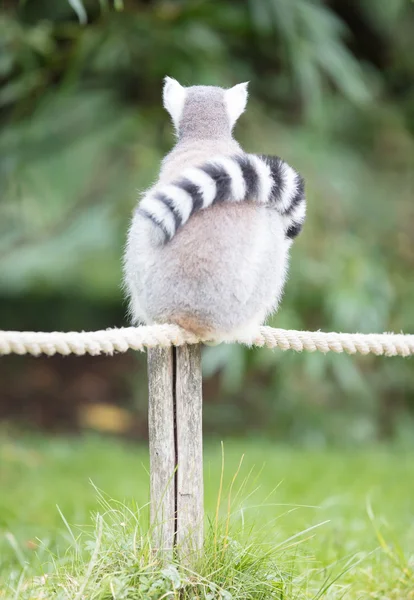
[[110, 341]]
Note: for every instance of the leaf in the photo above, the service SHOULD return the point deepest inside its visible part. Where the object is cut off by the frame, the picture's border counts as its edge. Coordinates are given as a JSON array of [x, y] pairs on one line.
[[79, 10], [172, 575]]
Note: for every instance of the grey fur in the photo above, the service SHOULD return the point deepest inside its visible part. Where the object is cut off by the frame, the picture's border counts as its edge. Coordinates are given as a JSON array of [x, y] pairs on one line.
[[223, 273], [193, 124]]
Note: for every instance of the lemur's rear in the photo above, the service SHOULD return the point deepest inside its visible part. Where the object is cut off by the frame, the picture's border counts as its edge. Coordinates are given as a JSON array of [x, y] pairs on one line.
[[208, 244]]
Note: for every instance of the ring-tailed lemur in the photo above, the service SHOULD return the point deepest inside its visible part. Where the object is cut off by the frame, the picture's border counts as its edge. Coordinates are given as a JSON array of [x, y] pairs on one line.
[[222, 273]]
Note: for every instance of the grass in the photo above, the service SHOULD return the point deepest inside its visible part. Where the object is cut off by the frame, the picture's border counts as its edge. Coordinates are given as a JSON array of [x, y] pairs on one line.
[[299, 524]]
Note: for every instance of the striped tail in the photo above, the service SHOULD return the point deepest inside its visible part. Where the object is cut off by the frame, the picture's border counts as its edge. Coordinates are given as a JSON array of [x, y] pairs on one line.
[[267, 180]]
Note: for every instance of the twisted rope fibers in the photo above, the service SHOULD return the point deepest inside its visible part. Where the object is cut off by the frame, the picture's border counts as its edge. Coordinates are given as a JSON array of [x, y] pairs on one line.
[[111, 341]]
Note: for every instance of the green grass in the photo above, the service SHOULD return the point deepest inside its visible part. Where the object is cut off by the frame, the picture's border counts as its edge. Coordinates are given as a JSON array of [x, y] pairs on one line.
[[302, 524]]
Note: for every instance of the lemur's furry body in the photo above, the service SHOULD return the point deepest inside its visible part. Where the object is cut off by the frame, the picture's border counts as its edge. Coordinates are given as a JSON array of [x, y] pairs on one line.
[[218, 271]]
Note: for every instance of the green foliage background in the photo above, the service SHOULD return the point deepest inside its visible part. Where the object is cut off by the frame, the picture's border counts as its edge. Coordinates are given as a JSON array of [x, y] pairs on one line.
[[331, 91]]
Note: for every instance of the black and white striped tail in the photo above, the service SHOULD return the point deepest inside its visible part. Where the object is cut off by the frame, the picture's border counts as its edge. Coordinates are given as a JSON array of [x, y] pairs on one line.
[[267, 180]]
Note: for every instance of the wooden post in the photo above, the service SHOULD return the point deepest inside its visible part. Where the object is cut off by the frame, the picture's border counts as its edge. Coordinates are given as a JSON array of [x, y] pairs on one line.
[[176, 455], [161, 448], [190, 506]]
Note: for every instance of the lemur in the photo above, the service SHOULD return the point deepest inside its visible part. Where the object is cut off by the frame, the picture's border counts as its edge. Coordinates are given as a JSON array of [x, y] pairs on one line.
[[208, 245]]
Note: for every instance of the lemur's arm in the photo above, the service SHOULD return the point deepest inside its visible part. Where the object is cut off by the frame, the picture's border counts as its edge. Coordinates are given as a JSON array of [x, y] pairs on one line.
[[267, 180]]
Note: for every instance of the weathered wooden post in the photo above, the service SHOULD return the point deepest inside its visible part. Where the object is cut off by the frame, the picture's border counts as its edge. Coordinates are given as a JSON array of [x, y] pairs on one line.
[[176, 452]]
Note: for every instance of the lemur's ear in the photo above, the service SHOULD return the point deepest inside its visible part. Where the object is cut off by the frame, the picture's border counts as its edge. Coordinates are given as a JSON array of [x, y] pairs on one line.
[[174, 97], [236, 100]]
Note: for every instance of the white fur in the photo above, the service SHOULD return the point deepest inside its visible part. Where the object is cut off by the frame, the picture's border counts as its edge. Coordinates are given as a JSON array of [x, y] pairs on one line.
[[174, 95], [161, 212], [238, 185], [289, 186], [206, 185], [236, 100], [265, 178], [180, 199]]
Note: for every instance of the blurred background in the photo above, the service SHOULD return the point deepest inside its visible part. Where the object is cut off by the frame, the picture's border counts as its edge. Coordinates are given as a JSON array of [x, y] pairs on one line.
[[83, 129]]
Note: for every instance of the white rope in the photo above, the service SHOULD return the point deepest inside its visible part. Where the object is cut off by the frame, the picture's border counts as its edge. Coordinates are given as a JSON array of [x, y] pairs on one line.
[[110, 341]]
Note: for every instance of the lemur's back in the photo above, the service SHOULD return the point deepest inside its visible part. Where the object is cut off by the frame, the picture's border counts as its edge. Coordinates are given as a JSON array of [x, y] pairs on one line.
[[223, 271], [218, 273]]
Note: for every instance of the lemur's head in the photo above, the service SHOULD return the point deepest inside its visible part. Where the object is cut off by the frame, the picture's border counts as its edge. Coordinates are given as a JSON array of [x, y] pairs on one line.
[[203, 111]]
